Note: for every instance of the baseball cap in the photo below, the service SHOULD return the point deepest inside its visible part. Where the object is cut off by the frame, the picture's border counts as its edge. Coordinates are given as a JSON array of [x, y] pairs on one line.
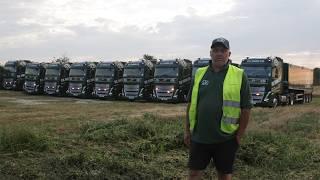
[[222, 41]]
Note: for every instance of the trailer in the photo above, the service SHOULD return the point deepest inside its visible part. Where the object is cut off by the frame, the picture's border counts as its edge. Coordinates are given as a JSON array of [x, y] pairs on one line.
[[274, 82]]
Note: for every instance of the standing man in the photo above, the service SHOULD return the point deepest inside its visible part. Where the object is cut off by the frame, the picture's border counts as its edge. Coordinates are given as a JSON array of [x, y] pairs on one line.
[[217, 114]]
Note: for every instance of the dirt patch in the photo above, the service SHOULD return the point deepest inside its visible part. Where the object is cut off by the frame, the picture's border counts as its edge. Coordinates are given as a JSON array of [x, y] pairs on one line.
[[31, 102], [89, 101]]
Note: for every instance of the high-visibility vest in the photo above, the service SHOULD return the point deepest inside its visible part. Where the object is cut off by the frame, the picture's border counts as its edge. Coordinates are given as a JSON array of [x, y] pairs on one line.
[[231, 99]]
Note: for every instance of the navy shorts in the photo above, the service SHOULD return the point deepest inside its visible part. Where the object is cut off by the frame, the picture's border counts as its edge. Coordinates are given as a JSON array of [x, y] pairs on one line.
[[222, 154]]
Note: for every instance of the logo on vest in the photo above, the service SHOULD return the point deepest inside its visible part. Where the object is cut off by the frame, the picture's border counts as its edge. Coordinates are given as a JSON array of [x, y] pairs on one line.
[[204, 83]]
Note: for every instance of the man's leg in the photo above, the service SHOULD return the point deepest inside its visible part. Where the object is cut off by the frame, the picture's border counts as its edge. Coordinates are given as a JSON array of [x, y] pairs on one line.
[[222, 176], [194, 174], [199, 158], [224, 156]]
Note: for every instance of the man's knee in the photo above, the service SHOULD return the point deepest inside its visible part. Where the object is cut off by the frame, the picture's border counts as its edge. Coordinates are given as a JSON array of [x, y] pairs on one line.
[[222, 176], [195, 174]]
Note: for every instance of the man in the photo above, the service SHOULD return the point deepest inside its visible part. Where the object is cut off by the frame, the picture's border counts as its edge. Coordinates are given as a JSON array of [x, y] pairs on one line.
[[217, 114]]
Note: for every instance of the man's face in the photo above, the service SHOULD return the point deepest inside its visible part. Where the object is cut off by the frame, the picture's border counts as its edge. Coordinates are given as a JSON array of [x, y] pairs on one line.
[[219, 55]]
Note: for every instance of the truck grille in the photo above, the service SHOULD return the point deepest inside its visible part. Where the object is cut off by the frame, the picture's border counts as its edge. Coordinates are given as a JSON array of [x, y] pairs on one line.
[[8, 84], [102, 90], [257, 94], [30, 86], [131, 91], [75, 89], [164, 92], [50, 87]]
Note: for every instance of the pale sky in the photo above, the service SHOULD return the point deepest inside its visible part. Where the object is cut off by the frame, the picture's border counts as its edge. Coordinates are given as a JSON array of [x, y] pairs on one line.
[[98, 30]]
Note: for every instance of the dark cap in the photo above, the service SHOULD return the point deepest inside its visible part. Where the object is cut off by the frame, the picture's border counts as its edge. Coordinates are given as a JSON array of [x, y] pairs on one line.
[[222, 41]]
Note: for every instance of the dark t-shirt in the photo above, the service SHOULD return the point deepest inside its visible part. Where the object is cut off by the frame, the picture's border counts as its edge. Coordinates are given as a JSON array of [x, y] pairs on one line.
[[209, 108]]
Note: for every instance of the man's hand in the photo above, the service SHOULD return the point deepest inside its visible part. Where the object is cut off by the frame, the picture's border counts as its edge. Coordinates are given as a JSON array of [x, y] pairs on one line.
[[238, 138], [187, 138]]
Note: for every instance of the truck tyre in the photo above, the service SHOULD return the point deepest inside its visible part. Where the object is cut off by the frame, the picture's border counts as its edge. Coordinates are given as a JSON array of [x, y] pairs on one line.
[[291, 101], [274, 102], [308, 98]]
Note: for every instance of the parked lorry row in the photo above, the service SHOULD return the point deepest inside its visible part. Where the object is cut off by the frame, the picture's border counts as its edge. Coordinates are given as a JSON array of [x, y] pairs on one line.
[[272, 81], [151, 80]]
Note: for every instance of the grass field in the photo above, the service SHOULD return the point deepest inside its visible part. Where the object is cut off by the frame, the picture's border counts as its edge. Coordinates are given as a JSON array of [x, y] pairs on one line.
[[65, 138]]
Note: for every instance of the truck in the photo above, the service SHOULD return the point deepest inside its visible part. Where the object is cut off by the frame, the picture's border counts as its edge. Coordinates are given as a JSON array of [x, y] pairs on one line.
[[2, 72], [57, 78], [34, 80], [81, 79], [109, 80], [274, 82], [14, 77], [316, 76], [200, 62], [138, 80], [172, 80]]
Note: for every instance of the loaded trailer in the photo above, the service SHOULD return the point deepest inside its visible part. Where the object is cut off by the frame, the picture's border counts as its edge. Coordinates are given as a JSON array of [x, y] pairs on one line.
[[274, 82]]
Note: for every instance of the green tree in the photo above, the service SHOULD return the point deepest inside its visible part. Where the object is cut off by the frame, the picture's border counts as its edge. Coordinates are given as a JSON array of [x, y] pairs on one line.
[[148, 57]]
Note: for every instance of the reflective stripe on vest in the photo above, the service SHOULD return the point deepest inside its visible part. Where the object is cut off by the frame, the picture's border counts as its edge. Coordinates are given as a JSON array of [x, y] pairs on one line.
[[231, 99]]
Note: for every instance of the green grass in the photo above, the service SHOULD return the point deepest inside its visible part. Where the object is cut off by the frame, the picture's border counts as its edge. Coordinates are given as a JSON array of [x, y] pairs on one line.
[[148, 146], [16, 139]]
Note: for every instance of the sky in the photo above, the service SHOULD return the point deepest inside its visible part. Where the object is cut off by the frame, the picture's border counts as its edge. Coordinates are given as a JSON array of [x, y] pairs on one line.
[[99, 30]]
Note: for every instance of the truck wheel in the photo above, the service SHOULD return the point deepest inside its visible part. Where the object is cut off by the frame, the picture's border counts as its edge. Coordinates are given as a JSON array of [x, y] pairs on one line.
[[308, 98], [291, 101], [274, 102]]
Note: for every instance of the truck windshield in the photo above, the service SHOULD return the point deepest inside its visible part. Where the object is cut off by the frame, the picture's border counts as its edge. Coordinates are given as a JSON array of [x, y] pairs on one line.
[[76, 72], [257, 71], [104, 72], [194, 70], [52, 72], [166, 71], [132, 72], [11, 69], [32, 71]]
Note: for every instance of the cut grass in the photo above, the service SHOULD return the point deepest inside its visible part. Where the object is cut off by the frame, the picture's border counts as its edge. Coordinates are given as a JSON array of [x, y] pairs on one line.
[[118, 140]]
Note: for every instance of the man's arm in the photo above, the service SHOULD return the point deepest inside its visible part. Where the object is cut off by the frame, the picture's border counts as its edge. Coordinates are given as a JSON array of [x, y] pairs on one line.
[[187, 133], [246, 105], [187, 123], [243, 123]]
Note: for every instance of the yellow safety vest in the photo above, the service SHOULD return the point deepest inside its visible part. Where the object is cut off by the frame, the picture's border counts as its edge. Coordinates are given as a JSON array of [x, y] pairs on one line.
[[231, 99]]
